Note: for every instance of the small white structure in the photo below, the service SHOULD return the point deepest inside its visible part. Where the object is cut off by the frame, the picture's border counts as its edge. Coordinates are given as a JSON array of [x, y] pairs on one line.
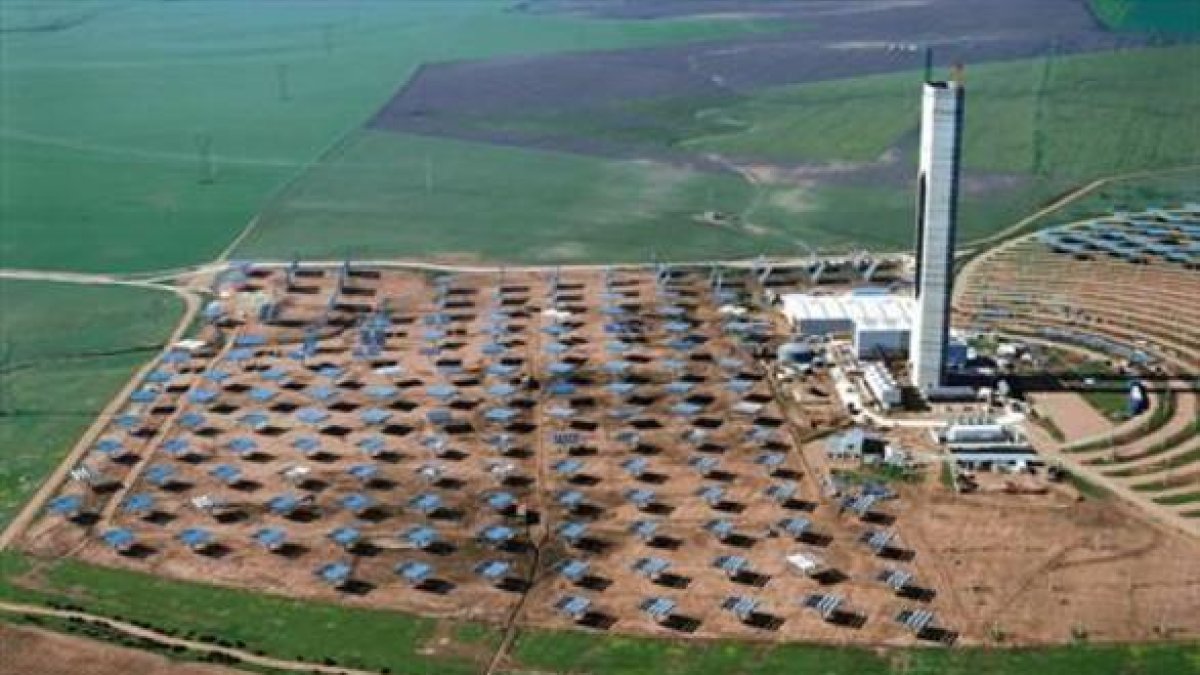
[[747, 408], [208, 504], [975, 433], [190, 345], [806, 563], [983, 443], [899, 457], [1012, 460], [296, 474], [877, 322]]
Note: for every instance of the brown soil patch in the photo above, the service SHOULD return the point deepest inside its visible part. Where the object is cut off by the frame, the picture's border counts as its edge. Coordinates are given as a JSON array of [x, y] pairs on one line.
[[28, 650], [1034, 565], [1073, 415]]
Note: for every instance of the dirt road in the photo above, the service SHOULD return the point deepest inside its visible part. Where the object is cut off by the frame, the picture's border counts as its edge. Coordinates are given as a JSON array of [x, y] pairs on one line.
[[139, 632], [50, 486]]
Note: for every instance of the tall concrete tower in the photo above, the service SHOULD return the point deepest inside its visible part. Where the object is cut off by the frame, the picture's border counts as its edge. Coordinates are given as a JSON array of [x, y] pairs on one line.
[[937, 212]]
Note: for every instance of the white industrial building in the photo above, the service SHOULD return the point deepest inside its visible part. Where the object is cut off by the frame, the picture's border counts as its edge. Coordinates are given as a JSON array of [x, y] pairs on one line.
[[878, 323], [883, 324], [980, 432]]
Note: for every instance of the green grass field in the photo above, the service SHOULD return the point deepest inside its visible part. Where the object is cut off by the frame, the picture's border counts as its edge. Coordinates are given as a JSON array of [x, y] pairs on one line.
[[1130, 195], [278, 626], [1162, 16], [397, 195], [406, 644], [65, 350], [1094, 115], [376, 194], [482, 200], [585, 653], [269, 85]]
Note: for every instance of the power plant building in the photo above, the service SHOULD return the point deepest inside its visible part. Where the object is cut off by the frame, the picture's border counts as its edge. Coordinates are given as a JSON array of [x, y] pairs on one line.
[[885, 324], [878, 323], [937, 205]]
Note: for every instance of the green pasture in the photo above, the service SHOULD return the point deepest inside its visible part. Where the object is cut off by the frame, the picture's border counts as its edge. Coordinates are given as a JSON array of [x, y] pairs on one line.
[[1170, 17], [1070, 117], [65, 350], [382, 194], [145, 135], [395, 195], [1135, 194], [274, 625], [1077, 116], [372, 639], [398, 195], [582, 653]]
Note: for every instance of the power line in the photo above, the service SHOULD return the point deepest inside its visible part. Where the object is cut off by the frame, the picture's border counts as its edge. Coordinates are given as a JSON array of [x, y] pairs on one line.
[[208, 166]]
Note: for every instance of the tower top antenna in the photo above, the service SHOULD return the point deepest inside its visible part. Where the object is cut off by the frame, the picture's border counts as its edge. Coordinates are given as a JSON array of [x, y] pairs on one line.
[[929, 64], [956, 74]]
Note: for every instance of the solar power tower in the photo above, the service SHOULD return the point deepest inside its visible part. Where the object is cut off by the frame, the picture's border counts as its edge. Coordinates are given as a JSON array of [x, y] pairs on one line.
[[937, 213]]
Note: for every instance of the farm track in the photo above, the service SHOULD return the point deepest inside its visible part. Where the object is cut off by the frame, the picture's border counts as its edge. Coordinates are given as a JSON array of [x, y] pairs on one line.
[[1009, 237], [538, 541], [1058, 561], [128, 484], [192, 645], [191, 306]]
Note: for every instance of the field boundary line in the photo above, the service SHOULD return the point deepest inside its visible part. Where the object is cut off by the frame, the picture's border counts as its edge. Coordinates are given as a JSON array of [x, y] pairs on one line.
[[1012, 234], [50, 484], [338, 144], [157, 636], [1071, 196]]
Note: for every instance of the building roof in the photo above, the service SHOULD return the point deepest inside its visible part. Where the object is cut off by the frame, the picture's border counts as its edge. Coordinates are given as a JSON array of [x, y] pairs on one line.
[[870, 312]]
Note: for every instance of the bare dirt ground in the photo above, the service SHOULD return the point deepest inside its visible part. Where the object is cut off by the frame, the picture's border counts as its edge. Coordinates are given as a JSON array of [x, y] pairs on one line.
[[1036, 567], [1042, 568], [1074, 416], [26, 651]]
